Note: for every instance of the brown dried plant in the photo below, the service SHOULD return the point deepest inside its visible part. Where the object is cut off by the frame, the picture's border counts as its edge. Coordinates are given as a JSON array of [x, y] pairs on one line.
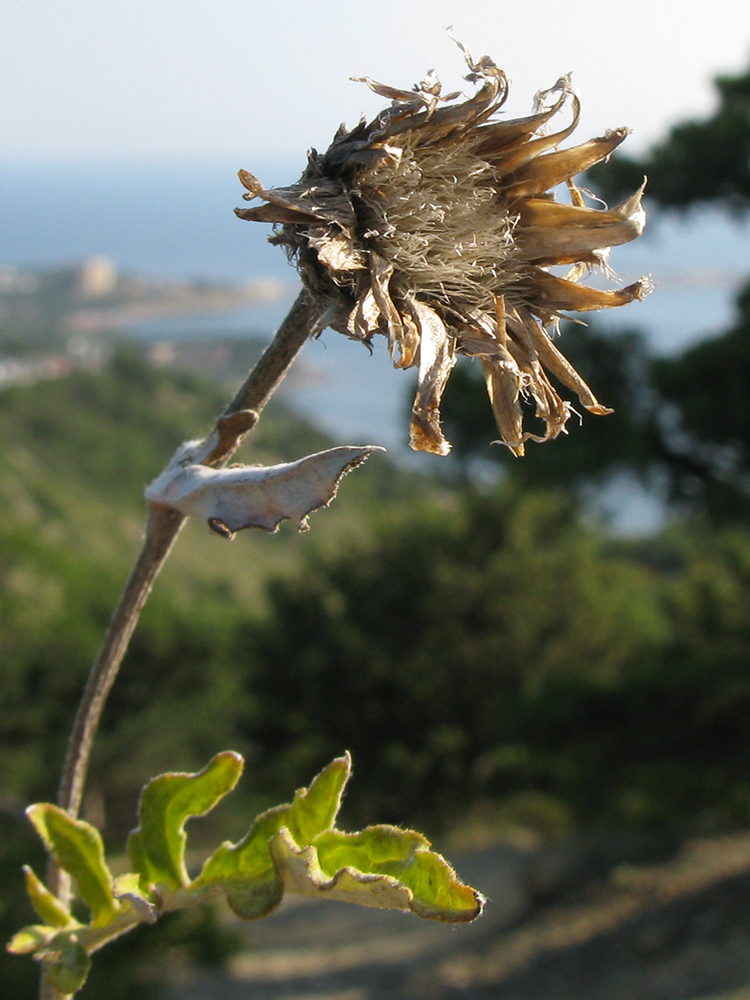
[[437, 225]]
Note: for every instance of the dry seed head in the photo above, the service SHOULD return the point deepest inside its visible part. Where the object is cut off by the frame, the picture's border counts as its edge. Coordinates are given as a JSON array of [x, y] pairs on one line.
[[439, 222], [436, 224]]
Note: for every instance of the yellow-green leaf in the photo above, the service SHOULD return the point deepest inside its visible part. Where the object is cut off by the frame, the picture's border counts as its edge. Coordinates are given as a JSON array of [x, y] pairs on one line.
[[157, 847], [436, 891], [29, 939], [48, 906], [246, 870], [65, 963], [78, 847], [314, 809]]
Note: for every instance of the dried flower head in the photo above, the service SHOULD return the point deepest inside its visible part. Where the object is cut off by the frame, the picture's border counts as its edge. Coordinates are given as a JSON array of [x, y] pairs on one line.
[[437, 225]]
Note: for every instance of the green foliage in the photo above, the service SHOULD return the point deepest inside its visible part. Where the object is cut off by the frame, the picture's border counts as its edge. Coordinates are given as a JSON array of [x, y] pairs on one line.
[[294, 847], [456, 619], [706, 449]]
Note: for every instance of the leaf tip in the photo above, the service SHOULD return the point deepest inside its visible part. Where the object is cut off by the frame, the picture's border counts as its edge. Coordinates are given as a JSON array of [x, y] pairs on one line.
[[221, 528]]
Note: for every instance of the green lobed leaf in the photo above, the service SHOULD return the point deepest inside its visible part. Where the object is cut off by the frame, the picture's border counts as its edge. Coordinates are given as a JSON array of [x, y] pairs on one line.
[[157, 847], [29, 939], [79, 849], [246, 869], [48, 906], [66, 963], [436, 891], [128, 888], [293, 848], [315, 809]]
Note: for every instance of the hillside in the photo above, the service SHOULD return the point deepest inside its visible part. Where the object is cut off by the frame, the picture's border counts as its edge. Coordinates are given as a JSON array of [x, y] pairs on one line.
[[493, 661], [75, 455]]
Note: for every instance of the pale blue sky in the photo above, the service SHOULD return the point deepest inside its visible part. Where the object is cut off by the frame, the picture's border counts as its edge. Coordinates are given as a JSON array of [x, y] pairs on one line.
[[152, 79]]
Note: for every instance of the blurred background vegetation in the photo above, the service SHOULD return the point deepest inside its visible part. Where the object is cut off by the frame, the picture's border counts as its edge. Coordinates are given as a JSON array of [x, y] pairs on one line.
[[490, 653]]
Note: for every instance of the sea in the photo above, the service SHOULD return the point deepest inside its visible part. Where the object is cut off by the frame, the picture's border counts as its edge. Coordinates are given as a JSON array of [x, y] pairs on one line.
[[175, 220]]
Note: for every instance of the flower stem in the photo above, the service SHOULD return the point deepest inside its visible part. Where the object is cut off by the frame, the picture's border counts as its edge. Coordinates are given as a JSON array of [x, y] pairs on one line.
[[162, 527]]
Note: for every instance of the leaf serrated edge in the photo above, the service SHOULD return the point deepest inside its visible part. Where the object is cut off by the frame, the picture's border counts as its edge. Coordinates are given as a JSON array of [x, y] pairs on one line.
[[301, 873], [416, 851]]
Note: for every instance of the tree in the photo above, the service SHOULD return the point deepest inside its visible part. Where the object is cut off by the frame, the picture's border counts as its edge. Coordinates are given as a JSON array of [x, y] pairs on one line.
[[702, 422], [681, 422], [700, 161]]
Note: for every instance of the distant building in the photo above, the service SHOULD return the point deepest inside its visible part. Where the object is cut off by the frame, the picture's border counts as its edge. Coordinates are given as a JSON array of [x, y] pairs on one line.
[[97, 278]]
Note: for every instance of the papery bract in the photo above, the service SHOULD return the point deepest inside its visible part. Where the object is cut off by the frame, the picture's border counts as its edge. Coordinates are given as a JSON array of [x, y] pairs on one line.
[[250, 496]]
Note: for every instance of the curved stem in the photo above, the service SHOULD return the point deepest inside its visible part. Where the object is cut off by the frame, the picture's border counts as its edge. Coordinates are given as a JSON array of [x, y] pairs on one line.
[[162, 528]]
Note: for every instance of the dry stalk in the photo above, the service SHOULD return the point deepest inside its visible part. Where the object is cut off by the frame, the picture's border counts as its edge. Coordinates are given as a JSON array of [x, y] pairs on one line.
[[162, 527]]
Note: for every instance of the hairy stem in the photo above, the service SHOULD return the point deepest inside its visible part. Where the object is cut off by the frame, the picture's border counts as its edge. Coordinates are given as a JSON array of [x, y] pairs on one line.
[[162, 527]]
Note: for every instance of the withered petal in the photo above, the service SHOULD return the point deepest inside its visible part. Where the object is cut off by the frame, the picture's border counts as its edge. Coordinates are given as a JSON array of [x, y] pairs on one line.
[[503, 382], [482, 335], [553, 294], [495, 138], [251, 183], [275, 213], [364, 319], [548, 229], [411, 341], [538, 344], [523, 154], [416, 97], [321, 199], [512, 371], [546, 172], [550, 407], [437, 356], [470, 113], [402, 341], [336, 250]]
